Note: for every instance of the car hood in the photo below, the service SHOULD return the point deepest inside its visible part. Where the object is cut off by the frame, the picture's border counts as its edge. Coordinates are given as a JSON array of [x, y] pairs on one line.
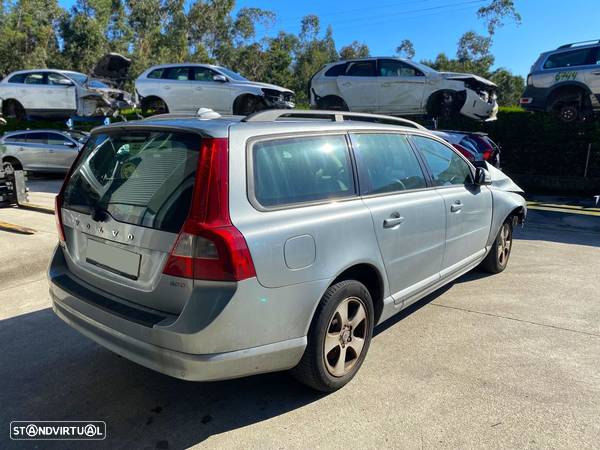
[[112, 67], [263, 85], [468, 77], [502, 181]]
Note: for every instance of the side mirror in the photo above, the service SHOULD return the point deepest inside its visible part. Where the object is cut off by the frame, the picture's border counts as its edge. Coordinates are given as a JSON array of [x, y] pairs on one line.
[[220, 78], [65, 82], [482, 177], [69, 144]]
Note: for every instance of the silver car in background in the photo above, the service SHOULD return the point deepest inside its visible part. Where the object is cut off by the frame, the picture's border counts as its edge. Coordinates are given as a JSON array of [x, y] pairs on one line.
[[185, 88], [41, 150], [213, 248]]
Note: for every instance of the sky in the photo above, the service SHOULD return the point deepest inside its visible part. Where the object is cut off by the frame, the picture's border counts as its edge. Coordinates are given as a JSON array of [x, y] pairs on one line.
[[435, 26]]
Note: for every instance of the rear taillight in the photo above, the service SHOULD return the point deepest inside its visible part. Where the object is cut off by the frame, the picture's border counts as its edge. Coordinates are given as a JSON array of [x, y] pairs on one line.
[[58, 200], [209, 247], [466, 153], [487, 154], [58, 218]]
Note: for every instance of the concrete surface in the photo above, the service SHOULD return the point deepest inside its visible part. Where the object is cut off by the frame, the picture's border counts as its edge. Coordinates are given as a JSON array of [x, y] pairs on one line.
[[505, 361]]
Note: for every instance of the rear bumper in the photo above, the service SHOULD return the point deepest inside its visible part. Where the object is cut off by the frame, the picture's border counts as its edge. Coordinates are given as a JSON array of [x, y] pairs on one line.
[[233, 343], [209, 367]]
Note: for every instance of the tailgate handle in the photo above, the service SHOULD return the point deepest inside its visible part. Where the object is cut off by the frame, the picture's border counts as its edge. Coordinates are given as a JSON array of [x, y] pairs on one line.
[[394, 220]]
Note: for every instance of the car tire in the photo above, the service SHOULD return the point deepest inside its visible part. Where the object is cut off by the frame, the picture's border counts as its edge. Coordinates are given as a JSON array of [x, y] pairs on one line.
[[498, 256], [247, 104], [339, 337]]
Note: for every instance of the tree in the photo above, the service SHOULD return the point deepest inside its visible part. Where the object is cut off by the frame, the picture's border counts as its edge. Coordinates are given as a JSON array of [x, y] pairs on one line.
[[510, 87], [495, 13], [406, 49], [29, 33], [354, 50]]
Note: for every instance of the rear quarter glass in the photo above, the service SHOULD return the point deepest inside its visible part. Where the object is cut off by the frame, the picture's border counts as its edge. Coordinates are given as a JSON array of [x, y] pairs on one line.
[[143, 178]]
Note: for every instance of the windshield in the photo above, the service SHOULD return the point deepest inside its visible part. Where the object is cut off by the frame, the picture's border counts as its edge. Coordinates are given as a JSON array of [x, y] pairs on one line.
[[233, 75], [142, 178]]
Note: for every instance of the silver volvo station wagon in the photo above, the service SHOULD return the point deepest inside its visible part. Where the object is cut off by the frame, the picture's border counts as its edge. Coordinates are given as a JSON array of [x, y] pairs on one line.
[[208, 247]]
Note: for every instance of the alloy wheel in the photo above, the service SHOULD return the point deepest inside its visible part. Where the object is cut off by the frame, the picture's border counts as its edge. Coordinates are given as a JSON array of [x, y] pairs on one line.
[[504, 244], [345, 337]]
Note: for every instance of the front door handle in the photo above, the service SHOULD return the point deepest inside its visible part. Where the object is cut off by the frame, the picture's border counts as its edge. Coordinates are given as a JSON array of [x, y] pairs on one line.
[[394, 220], [456, 207], [596, 73], [346, 84]]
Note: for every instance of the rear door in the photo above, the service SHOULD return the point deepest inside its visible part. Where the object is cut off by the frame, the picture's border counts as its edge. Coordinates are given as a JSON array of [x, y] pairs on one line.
[[358, 85], [468, 207], [123, 208], [32, 93], [177, 90], [209, 93], [592, 75], [33, 151], [408, 218], [400, 87]]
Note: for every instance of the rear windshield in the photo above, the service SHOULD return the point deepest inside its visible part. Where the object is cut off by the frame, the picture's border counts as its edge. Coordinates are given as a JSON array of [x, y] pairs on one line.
[[138, 177]]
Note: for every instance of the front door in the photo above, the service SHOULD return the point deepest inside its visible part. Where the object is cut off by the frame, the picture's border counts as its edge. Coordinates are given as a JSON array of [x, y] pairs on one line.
[[61, 92], [359, 86], [209, 93], [408, 219], [468, 208], [401, 87]]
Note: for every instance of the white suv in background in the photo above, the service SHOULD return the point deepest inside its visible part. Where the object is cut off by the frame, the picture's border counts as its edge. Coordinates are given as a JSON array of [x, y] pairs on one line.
[[185, 88], [400, 87]]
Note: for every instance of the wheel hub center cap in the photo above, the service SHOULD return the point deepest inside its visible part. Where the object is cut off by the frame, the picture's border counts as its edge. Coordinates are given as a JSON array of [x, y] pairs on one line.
[[345, 336]]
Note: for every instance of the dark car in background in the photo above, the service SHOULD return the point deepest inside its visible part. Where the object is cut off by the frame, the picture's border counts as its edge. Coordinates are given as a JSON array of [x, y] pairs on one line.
[[475, 146]]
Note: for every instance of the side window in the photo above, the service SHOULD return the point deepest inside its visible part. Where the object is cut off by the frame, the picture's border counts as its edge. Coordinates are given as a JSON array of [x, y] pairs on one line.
[[303, 169], [386, 163], [177, 73], [58, 79], [35, 78], [36, 138], [56, 139], [395, 68], [202, 74], [16, 138], [596, 59], [361, 69], [580, 57], [336, 71], [156, 74], [18, 78], [447, 167]]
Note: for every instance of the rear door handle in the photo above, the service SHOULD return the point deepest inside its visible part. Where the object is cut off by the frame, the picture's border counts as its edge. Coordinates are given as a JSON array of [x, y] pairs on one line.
[[596, 73], [456, 207], [394, 220], [166, 88], [347, 84]]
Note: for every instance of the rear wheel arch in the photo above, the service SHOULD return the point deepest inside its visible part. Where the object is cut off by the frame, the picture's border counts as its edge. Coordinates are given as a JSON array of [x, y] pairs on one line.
[[570, 93], [147, 103], [14, 162], [332, 102], [371, 277], [12, 108]]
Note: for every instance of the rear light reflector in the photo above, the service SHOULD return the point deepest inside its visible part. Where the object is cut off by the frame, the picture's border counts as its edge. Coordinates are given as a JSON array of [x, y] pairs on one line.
[[466, 153], [209, 247], [526, 100]]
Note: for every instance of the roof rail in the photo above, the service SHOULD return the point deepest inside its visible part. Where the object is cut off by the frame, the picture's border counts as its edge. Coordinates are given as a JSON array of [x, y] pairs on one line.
[[271, 115], [576, 44]]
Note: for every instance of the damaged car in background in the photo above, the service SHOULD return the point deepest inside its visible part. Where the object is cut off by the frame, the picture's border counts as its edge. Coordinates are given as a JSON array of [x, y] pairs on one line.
[[185, 88], [53, 93], [401, 87]]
